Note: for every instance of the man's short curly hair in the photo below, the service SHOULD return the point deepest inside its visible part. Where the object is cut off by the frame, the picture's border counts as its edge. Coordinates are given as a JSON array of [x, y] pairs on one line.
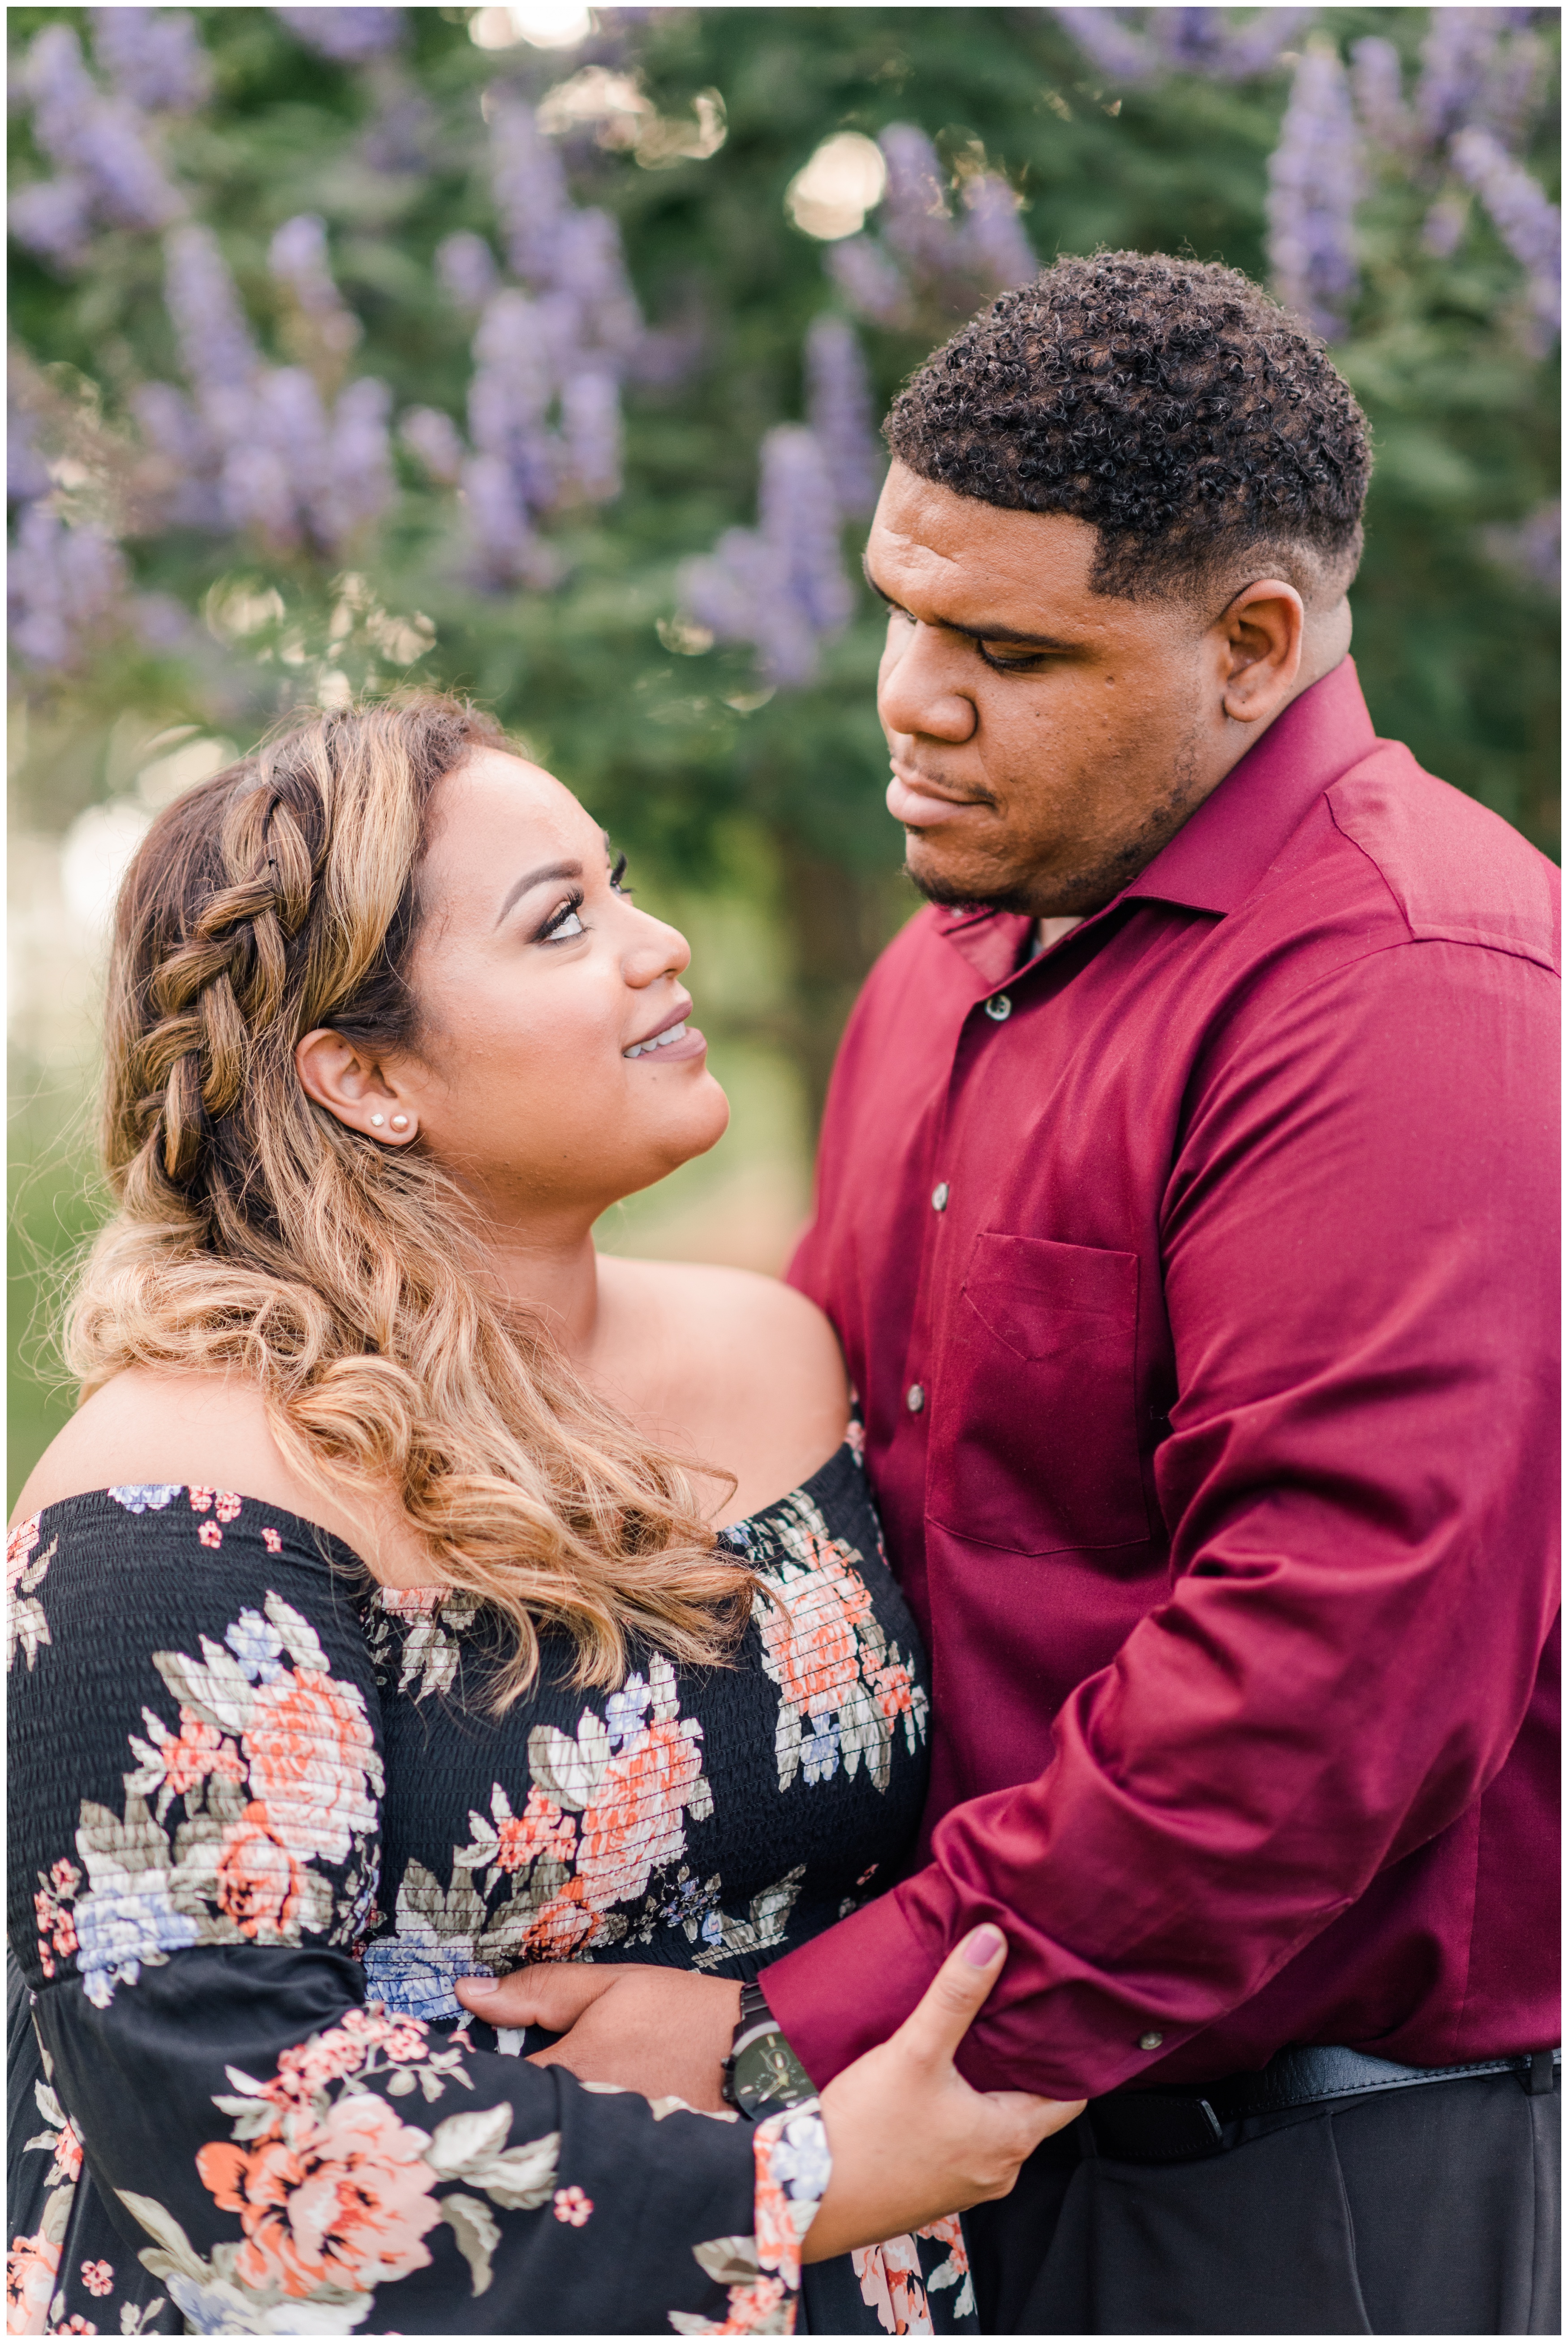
[[1171, 404]]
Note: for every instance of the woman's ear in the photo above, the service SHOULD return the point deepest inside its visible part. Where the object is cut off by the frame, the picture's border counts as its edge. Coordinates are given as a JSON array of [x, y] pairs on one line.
[[355, 1087]]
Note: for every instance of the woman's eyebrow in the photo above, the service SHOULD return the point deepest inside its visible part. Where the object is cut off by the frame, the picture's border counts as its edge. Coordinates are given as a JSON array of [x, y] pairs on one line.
[[537, 878], [974, 634]]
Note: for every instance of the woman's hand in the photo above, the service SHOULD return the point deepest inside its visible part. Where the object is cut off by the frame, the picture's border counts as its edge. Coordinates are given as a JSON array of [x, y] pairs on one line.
[[663, 2031], [910, 2139]]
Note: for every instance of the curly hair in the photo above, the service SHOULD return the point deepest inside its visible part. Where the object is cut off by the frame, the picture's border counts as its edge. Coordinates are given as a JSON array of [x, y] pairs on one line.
[[1170, 404], [256, 1233]]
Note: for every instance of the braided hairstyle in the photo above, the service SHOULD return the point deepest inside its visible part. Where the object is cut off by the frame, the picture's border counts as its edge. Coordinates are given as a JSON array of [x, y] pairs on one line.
[[256, 1232]]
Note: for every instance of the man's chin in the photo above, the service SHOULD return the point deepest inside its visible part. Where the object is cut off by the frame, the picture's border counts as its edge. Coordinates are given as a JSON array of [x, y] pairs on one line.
[[965, 890]]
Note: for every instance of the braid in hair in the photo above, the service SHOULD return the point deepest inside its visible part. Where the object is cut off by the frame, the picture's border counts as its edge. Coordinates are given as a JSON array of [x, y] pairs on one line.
[[256, 1233]]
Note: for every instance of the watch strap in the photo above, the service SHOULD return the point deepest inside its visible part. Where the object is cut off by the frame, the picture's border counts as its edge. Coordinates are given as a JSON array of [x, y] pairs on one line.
[[762, 2074]]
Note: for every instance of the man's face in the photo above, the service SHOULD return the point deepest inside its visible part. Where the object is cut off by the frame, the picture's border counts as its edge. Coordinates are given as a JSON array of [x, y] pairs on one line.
[[1046, 740]]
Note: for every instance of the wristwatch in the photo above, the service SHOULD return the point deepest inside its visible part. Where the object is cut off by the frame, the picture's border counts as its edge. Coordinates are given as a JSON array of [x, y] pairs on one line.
[[762, 2074]]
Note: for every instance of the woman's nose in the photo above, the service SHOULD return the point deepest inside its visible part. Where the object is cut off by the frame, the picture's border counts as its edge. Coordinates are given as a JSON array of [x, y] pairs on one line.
[[659, 950], [916, 693]]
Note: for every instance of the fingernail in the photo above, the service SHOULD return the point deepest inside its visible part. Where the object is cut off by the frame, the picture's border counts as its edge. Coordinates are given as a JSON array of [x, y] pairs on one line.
[[984, 1946], [482, 1984]]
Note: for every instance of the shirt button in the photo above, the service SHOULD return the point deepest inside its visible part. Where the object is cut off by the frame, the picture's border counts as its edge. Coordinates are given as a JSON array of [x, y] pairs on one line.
[[915, 1398], [1000, 1009], [1149, 2040], [939, 1197]]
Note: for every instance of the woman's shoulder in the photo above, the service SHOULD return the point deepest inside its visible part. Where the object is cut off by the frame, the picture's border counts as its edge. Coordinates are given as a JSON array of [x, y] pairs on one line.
[[146, 1427], [736, 1367]]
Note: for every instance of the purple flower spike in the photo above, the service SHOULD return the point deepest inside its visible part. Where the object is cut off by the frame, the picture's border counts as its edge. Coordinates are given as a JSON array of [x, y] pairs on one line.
[[1255, 49], [54, 218], [100, 141], [437, 441], [591, 428], [465, 269], [349, 36], [990, 240], [1111, 45], [65, 588], [1529, 224], [360, 484], [530, 190], [1457, 60], [1313, 183], [154, 57], [915, 221], [799, 520], [1378, 86], [841, 415], [215, 344], [872, 282], [1513, 89]]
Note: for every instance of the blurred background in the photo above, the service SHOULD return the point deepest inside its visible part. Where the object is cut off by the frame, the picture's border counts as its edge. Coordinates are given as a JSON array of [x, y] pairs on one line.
[[539, 352]]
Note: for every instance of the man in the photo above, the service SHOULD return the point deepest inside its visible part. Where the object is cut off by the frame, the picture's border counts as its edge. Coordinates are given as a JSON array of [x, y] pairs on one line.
[[1183, 1210]]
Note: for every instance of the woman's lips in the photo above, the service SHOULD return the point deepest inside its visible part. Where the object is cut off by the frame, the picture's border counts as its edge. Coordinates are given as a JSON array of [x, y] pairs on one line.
[[921, 808], [691, 1043]]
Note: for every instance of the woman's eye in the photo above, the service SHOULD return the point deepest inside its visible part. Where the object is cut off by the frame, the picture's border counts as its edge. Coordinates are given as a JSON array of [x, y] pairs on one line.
[[618, 876], [564, 925]]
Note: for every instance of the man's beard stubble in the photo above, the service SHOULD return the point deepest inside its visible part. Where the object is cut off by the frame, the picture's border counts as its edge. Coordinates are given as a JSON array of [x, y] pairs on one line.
[[1085, 887]]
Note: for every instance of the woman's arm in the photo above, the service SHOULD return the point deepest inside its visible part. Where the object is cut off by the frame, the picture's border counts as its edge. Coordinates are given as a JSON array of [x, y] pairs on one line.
[[196, 1786]]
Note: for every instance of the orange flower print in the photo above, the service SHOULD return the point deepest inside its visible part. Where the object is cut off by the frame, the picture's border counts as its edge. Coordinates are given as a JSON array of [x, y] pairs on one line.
[[346, 2202], [890, 2282], [753, 2310], [98, 2277], [635, 1822], [272, 1540], [258, 1881], [210, 1533], [541, 1827], [66, 2167], [201, 1499], [19, 1544], [228, 1504], [56, 1929], [812, 1652], [327, 2056], [572, 2207], [556, 1928], [76, 2324], [197, 1749], [31, 2265], [309, 1748], [893, 1688]]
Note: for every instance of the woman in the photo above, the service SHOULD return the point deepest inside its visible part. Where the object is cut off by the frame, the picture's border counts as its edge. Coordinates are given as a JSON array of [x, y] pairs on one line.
[[374, 1631]]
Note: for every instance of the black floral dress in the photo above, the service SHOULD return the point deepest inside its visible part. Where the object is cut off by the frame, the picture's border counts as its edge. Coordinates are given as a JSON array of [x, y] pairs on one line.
[[262, 1819]]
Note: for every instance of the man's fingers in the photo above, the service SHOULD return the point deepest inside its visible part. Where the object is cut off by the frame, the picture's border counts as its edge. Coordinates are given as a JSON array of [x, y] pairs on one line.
[[938, 2023], [553, 1996]]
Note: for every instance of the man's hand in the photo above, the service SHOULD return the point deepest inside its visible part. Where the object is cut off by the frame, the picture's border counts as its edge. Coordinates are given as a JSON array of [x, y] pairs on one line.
[[662, 2031]]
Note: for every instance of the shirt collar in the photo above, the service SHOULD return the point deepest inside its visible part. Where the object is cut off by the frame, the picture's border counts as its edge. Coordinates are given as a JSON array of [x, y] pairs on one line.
[[1219, 854]]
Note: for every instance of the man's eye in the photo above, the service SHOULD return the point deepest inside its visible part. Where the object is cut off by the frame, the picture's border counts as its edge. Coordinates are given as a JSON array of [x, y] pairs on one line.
[[1019, 662]]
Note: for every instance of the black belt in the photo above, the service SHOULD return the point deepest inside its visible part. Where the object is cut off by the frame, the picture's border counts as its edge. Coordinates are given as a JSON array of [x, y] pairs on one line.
[[1178, 2126]]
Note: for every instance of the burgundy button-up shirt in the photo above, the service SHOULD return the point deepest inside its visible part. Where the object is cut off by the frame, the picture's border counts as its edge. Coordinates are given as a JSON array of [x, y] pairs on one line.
[[1197, 1276]]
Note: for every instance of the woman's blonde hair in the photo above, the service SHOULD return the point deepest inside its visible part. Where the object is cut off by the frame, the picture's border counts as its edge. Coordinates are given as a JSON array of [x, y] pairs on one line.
[[345, 1278]]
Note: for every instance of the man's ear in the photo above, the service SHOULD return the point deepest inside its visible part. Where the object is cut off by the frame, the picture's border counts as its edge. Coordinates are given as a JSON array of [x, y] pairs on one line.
[[355, 1087], [1262, 635]]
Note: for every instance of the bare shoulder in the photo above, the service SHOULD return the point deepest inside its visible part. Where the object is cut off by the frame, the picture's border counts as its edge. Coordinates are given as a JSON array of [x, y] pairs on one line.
[[192, 1430], [742, 1368]]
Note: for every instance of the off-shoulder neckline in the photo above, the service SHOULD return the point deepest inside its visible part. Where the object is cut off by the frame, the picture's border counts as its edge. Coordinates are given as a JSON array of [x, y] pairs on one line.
[[101, 1496]]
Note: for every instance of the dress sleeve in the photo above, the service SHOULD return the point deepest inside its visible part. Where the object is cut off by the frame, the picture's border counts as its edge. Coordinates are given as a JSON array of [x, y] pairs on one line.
[[196, 1786]]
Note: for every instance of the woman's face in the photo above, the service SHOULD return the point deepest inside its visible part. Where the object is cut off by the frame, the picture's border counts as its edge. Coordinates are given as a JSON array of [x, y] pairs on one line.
[[542, 991]]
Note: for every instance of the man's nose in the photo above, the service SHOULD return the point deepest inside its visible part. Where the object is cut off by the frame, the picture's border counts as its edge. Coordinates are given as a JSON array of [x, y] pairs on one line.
[[917, 691]]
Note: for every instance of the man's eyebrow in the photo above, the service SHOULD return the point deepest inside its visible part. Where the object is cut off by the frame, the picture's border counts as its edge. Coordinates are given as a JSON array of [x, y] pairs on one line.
[[974, 634], [537, 878]]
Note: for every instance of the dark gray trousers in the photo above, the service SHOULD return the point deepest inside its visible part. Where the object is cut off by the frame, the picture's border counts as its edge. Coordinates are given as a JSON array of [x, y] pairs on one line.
[[1432, 2210]]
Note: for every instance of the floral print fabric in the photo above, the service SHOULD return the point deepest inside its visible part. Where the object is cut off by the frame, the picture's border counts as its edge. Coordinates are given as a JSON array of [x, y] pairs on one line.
[[261, 1825]]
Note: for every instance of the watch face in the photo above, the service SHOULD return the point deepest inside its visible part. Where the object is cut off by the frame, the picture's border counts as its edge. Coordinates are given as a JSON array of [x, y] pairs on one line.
[[768, 2073]]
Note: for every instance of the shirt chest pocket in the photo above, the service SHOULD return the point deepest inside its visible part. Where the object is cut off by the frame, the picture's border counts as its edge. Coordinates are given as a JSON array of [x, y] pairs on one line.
[[1034, 1435]]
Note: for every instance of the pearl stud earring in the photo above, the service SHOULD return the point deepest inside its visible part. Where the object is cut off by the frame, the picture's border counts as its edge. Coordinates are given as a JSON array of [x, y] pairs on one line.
[[376, 1120], [400, 1122]]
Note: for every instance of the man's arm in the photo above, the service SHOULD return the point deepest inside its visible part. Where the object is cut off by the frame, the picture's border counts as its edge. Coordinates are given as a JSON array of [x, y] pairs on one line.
[[1358, 1487]]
